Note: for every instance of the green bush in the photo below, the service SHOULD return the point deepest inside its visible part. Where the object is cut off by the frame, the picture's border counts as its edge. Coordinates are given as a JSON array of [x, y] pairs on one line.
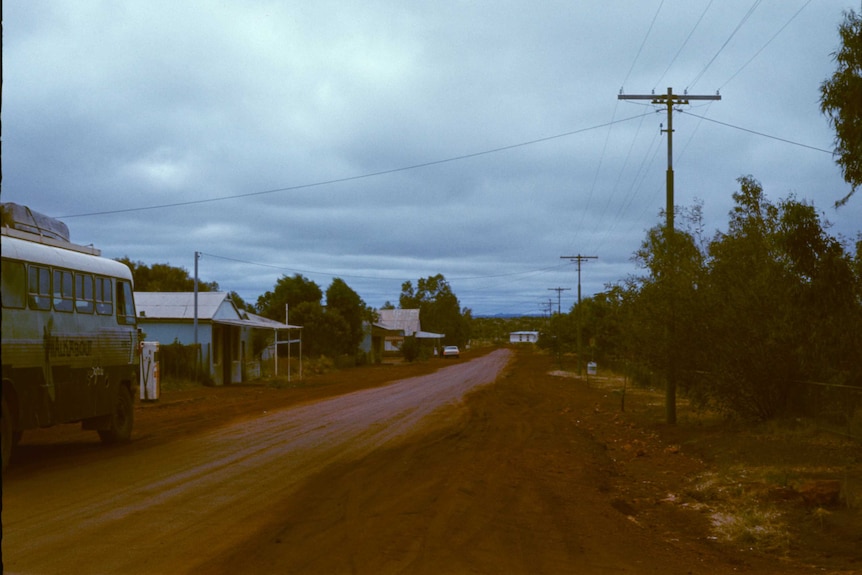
[[410, 349]]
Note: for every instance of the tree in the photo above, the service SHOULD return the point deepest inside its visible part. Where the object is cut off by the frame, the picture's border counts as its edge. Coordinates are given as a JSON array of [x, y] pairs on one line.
[[439, 309], [164, 278], [604, 324], [333, 331], [828, 290], [786, 307], [342, 300], [753, 360], [841, 101], [765, 306], [290, 291], [241, 303], [669, 304]]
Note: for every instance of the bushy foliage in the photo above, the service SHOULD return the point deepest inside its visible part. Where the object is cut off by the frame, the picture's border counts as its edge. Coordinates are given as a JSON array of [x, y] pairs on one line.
[[410, 349], [770, 303], [785, 307], [183, 362], [335, 330], [164, 278], [342, 301], [841, 101], [288, 291], [439, 309]]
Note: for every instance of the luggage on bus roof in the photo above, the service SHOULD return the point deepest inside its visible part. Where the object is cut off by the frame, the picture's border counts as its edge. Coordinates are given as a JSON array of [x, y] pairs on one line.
[[24, 219]]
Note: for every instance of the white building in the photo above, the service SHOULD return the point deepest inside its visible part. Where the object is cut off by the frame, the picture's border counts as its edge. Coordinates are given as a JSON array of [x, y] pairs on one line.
[[523, 337]]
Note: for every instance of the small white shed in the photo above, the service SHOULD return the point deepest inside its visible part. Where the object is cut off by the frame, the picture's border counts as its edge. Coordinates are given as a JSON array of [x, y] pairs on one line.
[[523, 337]]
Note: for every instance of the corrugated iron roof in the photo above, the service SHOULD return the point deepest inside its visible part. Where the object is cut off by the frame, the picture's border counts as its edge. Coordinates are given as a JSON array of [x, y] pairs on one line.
[[429, 335], [212, 306], [406, 320], [181, 305], [266, 323]]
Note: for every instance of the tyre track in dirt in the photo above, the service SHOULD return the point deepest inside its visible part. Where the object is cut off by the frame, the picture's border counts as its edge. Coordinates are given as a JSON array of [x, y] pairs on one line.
[[493, 491], [522, 479], [165, 510]]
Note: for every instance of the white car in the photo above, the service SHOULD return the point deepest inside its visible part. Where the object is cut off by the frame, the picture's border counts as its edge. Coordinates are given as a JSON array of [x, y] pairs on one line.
[[451, 351]]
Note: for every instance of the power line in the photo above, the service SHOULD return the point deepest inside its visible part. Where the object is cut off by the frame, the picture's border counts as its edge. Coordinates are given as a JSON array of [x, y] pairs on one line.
[[786, 141], [643, 42], [284, 268], [580, 224], [768, 42], [634, 189], [614, 188], [726, 42], [356, 177], [685, 42]]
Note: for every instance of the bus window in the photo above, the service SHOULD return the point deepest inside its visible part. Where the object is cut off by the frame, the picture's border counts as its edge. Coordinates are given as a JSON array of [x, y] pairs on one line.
[[84, 293], [14, 285], [64, 291], [40, 288], [104, 296], [125, 303]]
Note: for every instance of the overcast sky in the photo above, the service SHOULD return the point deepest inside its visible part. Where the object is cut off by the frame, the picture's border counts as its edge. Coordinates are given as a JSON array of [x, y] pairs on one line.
[[385, 141]]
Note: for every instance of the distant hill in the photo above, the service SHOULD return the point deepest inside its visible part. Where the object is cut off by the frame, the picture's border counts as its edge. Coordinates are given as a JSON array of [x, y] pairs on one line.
[[508, 315]]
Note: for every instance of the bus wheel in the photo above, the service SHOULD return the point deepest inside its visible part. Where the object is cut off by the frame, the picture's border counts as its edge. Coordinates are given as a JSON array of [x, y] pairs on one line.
[[7, 435], [120, 429]]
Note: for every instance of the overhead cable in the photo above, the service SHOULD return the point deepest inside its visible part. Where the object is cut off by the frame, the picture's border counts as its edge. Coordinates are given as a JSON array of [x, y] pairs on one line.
[[768, 42], [353, 178], [786, 141], [726, 42], [681, 48]]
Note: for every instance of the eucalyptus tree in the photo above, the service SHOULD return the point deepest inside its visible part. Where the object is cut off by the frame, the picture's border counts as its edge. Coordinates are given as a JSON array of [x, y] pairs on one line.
[[841, 101]]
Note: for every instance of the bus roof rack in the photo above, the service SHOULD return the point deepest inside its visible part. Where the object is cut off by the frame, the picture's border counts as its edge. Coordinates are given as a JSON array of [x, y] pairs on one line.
[[23, 223]]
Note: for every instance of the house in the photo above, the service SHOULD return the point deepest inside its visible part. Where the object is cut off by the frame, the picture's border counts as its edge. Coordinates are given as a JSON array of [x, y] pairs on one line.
[[523, 337], [399, 323], [388, 333], [224, 332]]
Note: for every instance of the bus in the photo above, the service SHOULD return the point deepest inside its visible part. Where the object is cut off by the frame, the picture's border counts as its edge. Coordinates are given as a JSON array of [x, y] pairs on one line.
[[69, 333]]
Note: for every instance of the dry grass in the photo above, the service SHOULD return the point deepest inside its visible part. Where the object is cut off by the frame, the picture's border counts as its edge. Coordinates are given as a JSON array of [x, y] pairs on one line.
[[750, 490], [755, 527]]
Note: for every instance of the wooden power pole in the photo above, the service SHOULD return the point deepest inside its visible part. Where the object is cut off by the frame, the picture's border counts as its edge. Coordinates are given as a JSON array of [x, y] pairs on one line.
[[559, 290], [579, 258], [670, 100]]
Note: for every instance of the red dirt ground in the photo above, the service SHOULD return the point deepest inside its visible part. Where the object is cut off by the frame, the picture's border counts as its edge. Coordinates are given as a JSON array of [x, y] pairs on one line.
[[539, 474]]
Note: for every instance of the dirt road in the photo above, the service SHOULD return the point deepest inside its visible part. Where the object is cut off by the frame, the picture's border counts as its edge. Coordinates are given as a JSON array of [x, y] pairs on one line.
[[163, 510], [489, 465]]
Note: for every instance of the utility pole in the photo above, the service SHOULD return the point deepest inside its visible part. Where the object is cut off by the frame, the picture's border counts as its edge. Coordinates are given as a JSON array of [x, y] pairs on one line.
[[197, 351], [579, 258], [670, 100], [559, 290]]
